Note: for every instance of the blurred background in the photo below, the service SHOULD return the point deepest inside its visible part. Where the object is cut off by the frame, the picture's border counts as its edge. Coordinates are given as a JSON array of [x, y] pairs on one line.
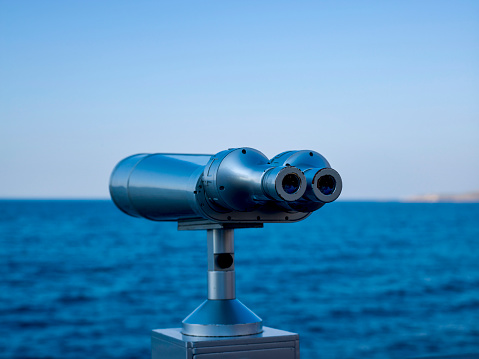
[[388, 92]]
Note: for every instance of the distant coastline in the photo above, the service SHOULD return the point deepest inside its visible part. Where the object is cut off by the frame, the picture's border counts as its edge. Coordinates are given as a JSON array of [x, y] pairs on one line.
[[469, 197]]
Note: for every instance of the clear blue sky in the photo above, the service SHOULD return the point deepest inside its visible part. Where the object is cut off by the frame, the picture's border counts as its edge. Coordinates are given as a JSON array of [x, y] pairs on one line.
[[388, 91]]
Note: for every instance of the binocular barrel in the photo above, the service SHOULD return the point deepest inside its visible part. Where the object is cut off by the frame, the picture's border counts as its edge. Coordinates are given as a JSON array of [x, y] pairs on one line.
[[236, 185], [159, 187]]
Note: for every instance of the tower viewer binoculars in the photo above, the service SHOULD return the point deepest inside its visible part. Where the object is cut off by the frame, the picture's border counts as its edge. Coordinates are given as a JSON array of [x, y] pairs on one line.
[[236, 187]]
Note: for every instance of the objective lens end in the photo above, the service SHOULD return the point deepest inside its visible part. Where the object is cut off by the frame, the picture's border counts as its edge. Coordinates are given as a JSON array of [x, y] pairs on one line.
[[284, 183], [326, 185]]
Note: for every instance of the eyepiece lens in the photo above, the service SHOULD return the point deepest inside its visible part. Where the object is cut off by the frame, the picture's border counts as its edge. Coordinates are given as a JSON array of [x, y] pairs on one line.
[[326, 184], [291, 183]]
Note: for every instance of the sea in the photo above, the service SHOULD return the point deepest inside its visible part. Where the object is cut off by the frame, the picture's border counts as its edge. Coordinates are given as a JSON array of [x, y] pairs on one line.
[[80, 279]]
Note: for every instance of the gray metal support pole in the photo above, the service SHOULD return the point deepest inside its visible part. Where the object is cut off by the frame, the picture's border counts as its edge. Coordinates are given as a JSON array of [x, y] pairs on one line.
[[221, 315], [221, 267]]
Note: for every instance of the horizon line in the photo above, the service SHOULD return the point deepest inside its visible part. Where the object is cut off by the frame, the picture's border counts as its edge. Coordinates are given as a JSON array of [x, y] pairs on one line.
[[42, 198]]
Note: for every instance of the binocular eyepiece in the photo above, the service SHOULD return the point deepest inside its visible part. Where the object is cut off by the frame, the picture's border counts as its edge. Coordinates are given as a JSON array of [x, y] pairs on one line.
[[236, 186]]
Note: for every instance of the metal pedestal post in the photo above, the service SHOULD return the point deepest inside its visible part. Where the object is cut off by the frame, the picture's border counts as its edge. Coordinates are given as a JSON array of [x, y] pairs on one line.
[[222, 327]]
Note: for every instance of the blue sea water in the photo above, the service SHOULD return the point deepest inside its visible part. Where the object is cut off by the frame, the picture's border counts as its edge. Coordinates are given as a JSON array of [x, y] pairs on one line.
[[80, 279]]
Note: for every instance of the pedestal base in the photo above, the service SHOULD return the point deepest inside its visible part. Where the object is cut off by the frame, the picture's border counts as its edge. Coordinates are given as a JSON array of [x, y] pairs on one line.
[[222, 318], [270, 344]]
